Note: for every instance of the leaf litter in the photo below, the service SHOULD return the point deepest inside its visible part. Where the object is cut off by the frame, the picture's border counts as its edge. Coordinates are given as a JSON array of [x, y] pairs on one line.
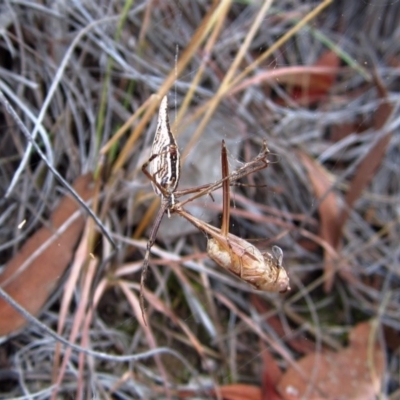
[[33, 274], [328, 200], [355, 372]]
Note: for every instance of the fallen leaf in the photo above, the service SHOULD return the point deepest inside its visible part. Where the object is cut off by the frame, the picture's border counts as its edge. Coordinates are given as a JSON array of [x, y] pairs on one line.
[[238, 391], [341, 130], [372, 160], [32, 275], [270, 376], [235, 391], [333, 219], [393, 62], [298, 76], [308, 244], [309, 87], [369, 164], [355, 373], [328, 211]]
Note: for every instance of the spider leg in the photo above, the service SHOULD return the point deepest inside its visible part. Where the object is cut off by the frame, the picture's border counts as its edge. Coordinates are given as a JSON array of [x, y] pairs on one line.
[[150, 243]]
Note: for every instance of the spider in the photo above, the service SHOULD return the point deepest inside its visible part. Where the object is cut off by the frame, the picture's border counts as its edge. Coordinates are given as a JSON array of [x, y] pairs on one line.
[[264, 271]]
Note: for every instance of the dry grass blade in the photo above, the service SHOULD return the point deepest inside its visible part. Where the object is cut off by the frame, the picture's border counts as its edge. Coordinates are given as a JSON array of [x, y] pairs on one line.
[[150, 337], [37, 148], [80, 315], [196, 39]]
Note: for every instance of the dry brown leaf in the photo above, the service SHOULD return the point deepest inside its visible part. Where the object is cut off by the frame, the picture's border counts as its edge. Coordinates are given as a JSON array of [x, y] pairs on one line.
[[318, 77], [372, 160], [333, 219], [355, 373], [299, 76], [366, 169], [235, 391], [393, 61], [310, 87], [339, 131], [329, 213], [328, 59], [30, 279], [308, 244], [238, 391], [271, 375]]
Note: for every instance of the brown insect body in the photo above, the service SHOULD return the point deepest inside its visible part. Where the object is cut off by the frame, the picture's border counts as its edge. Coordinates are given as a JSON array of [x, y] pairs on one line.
[[263, 271]]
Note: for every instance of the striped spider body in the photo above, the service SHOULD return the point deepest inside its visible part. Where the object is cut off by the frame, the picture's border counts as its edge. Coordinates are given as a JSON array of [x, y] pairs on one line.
[[164, 162]]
